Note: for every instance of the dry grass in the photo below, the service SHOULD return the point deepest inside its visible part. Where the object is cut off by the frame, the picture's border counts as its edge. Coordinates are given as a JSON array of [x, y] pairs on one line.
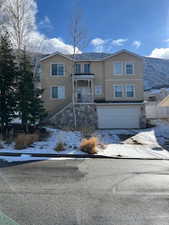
[[89, 145], [25, 140], [87, 131], [60, 147]]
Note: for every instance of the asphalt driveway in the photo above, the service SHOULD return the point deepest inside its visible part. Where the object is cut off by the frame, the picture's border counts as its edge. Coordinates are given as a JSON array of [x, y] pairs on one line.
[[83, 192]]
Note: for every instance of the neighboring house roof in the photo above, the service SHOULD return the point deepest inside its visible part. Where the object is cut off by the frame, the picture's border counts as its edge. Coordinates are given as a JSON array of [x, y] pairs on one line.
[[91, 56], [165, 102]]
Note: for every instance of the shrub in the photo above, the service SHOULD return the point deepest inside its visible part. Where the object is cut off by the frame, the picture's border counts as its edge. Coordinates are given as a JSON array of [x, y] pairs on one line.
[[25, 140], [60, 147], [89, 145]]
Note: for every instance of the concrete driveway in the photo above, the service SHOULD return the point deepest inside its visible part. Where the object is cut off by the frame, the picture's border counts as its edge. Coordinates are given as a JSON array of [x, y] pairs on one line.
[[83, 192]]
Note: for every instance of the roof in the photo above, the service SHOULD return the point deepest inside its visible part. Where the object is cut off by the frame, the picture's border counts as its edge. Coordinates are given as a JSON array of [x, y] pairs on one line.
[[91, 56]]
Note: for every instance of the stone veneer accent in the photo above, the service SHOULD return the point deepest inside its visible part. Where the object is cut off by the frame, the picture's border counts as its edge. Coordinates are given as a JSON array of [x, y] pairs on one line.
[[86, 116]]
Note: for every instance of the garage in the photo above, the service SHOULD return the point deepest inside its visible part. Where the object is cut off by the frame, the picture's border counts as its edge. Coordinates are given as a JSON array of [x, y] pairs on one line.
[[112, 117]]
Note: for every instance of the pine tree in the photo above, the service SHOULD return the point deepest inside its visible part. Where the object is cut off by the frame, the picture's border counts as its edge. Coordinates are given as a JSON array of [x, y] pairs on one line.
[[30, 105], [8, 74]]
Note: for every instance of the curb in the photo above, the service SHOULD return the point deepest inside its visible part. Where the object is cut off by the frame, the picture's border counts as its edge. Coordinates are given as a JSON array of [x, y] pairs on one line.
[[77, 156]]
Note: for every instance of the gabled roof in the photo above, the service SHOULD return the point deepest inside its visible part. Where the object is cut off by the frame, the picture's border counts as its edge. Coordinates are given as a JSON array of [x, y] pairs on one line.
[[92, 56]]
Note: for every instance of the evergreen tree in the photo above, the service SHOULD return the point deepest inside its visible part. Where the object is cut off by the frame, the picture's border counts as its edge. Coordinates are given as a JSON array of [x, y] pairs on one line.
[[8, 74], [30, 105]]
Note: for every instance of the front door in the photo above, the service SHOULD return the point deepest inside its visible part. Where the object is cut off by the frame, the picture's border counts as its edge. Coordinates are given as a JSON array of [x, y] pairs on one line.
[[83, 94]]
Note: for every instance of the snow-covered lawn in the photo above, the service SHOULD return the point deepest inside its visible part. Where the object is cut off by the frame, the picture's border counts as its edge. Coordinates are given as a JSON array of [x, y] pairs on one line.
[[145, 143]]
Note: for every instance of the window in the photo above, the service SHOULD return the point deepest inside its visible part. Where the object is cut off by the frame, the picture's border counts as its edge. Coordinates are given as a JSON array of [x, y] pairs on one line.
[[58, 92], [118, 91], [77, 68], [86, 68], [130, 91], [129, 69], [57, 70], [117, 68], [98, 90]]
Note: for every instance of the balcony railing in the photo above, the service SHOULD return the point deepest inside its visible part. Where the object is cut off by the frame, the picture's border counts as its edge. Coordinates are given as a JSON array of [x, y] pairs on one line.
[[83, 98]]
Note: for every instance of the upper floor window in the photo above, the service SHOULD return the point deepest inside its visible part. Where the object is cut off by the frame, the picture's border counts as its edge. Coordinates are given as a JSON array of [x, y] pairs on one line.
[[117, 68], [57, 69], [86, 68], [129, 68], [118, 91], [58, 92], [130, 90], [77, 68]]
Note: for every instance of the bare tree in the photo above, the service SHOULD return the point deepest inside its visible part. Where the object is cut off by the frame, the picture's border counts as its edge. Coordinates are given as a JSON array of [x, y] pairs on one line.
[[78, 39], [19, 20]]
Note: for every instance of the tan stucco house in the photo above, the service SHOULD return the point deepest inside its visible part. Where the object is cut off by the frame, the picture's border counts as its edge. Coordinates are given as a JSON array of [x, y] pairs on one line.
[[94, 89]]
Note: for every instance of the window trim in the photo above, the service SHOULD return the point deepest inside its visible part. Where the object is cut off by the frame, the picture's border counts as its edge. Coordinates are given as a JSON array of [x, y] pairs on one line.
[[125, 70], [57, 75], [100, 86], [80, 67], [134, 91], [114, 90], [51, 97], [122, 69]]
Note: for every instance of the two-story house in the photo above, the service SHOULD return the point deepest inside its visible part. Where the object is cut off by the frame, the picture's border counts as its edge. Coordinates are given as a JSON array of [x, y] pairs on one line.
[[94, 89]]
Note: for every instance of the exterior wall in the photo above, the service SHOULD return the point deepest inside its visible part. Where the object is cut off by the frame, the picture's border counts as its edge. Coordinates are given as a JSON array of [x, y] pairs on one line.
[[136, 79], [47, 81], [86, 116]]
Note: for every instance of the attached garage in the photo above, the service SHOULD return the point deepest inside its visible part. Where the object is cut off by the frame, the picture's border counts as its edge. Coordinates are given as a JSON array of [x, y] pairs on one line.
[[114, 116]]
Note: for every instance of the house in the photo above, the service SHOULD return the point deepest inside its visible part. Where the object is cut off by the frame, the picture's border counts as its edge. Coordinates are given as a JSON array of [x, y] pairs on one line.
[[94, 89], [165, 103], [153, 100]]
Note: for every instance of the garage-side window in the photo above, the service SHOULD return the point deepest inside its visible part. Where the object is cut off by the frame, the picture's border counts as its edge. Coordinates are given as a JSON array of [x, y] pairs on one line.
[[118, 91], [117, 68], [130, 90], [129, 68]]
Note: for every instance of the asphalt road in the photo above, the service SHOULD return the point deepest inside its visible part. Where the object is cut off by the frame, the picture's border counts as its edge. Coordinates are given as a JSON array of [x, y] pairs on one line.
[[85, 192]]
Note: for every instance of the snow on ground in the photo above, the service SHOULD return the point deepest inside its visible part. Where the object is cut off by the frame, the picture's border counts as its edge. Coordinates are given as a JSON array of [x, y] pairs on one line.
[[143, 143]]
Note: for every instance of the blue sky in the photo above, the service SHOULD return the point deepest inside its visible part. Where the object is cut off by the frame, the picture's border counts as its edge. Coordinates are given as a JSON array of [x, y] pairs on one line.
[[137, 25]]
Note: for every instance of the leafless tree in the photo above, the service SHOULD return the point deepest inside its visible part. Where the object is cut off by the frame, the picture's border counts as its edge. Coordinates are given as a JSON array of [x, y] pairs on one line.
[[78, 39], [19, 19]]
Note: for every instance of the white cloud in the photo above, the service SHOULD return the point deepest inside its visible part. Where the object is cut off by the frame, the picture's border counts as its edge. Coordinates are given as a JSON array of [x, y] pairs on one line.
[[119, 42], [167, 40], [38, 42], [34, 40], [160, 53], [137, 44], [99, 44], [97, 41]]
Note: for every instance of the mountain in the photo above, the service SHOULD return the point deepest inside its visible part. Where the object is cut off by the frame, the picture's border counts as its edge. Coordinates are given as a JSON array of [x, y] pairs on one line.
[[156, 73]]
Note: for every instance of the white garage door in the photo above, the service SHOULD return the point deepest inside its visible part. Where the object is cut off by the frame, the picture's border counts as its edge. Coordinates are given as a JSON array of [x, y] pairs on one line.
[[118, 117]]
